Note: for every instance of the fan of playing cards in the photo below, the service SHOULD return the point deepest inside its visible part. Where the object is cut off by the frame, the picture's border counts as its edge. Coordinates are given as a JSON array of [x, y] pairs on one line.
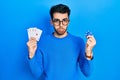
[[34, 32]]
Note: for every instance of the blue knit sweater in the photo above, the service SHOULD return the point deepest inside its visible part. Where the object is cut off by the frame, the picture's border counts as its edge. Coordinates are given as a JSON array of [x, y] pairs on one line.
[[60, 58]]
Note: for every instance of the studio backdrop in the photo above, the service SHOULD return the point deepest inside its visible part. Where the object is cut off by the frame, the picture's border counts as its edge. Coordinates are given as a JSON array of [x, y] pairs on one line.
[[101, 17]]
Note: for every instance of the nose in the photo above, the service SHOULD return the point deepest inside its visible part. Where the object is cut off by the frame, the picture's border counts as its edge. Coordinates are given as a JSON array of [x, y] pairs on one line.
[[60, 23]]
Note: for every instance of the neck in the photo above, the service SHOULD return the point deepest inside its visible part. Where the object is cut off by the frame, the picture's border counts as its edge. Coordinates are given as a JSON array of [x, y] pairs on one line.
[[60, 36]]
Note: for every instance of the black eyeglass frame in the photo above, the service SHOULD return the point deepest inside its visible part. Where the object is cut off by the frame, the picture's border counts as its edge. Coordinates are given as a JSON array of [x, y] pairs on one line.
[[64, 21]]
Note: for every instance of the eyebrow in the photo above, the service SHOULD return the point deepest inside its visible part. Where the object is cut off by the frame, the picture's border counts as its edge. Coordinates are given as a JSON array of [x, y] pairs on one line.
[[59, 19]]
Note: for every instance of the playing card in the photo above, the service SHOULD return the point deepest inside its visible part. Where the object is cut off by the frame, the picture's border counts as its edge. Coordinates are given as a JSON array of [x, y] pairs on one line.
[[38, 33], [29, 32], [34, 32]]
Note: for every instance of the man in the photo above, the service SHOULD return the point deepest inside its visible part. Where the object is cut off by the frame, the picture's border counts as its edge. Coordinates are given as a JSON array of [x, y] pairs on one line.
[[60, 55]]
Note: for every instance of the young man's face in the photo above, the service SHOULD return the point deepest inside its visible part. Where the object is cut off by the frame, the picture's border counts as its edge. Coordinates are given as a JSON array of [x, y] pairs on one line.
[[60, 22]]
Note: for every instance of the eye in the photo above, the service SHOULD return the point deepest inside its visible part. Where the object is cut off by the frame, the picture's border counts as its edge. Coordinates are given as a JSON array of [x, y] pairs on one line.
[[65, 20], [56, 20]]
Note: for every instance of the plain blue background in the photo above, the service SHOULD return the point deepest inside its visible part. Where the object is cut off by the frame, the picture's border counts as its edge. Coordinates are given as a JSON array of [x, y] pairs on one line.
[[102, 17]]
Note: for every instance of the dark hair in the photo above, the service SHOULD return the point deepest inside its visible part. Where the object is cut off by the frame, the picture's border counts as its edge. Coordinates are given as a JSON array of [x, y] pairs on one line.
[[59, 8]]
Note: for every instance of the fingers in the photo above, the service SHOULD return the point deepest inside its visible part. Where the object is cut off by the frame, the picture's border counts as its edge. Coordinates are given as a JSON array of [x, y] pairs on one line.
[[32, 42], [91, 42], [32, 46], [32, 39], [91, 39]]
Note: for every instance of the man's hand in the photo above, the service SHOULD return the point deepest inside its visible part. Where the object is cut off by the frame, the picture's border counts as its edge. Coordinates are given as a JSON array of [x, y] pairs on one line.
[[91, 42], [32, 46]]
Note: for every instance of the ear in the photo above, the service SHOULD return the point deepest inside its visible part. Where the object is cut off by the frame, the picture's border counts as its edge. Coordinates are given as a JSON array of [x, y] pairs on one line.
[[51, 22]]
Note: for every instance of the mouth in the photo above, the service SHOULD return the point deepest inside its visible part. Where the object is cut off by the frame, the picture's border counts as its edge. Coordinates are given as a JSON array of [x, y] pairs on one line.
[[60, 31]]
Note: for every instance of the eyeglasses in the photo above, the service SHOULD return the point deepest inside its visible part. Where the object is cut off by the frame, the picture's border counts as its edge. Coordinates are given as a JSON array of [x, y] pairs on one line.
[[57, 22]]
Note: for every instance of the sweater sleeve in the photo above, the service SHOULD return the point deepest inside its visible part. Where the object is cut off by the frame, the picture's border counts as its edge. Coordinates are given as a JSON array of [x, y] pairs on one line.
[[36, 64], [85, 65]]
